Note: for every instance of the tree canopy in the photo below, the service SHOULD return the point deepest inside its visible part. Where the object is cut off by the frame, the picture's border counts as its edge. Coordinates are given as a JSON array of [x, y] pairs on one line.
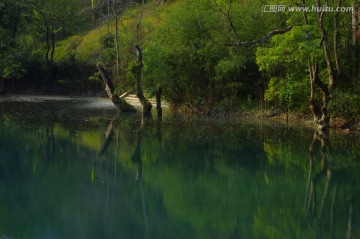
[[205, 55]]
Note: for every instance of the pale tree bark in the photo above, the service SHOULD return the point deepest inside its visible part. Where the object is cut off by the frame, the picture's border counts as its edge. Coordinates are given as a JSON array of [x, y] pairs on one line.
[[322, 118], [313, 68], [355, 21], [146, 105], [261, 40], [116, 40], [338, 70], [119, 102], [333, 69], [326, 46]]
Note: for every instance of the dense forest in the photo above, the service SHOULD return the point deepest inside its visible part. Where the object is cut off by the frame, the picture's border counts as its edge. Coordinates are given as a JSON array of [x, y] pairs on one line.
[[208, 56]]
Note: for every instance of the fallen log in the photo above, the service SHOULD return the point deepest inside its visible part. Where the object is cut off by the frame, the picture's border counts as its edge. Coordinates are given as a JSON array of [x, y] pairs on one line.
[[118, 101]]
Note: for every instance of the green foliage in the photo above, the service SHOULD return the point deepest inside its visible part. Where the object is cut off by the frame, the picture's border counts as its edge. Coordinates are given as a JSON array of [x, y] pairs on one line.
[[131, 71], [289, 92], [95, 77], [183, 49], [290, 50], [345, 104], [185, 57], [11, 66]]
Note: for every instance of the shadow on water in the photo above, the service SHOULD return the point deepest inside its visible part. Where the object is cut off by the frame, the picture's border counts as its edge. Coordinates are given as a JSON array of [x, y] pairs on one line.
[[79, 172]]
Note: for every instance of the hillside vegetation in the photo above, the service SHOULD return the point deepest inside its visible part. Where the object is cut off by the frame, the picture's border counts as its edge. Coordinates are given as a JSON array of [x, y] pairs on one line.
[[212, 56]]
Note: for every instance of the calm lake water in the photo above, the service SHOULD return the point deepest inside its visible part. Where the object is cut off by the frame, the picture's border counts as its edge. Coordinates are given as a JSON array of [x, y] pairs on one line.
[[76, 168]]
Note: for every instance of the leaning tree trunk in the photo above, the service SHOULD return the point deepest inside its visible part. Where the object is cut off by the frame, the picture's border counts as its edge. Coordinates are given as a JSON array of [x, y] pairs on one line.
[[118, 101], [146, 105]]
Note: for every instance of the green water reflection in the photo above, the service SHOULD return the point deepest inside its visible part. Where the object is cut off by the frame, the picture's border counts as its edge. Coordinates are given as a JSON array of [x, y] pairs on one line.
[[68, 172]]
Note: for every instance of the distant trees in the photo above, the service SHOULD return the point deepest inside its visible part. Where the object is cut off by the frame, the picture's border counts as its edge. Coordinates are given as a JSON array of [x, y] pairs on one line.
[[11, 65], [202, 55], [33, 29]]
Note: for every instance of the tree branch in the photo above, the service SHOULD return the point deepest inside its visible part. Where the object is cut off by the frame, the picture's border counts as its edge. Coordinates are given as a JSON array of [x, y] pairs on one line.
[[204, 30], [262, 40], [228, 17]]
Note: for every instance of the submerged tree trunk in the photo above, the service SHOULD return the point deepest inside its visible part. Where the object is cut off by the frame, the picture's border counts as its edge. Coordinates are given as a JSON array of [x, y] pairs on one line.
[[119, 102], [146, 105]]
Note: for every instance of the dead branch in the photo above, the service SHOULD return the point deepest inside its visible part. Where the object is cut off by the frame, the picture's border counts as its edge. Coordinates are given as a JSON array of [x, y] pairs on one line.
[[261, 40]]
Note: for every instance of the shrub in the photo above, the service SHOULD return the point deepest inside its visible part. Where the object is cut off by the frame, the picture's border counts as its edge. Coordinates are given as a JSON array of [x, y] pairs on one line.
[[345, 104]]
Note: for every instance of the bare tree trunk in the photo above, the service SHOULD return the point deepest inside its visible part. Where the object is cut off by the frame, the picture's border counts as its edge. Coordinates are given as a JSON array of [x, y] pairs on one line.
[[333, 71], [139, 22], [16, 22], [53, 45], [326, 47], [119, 102], [146, 105], [158, 101], [116, 40], [355, 41], [336, 43], [47, 44], [321, 117]]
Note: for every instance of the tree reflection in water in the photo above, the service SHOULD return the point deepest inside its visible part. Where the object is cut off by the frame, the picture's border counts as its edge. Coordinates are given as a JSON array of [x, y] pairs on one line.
[[110, 177], [320, 152]]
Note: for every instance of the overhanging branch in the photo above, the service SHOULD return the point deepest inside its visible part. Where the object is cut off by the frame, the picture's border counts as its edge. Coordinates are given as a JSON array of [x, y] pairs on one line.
[[261, 40]]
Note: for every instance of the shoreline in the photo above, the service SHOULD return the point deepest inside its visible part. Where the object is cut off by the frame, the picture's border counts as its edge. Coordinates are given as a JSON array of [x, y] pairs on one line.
[[292, 119]]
